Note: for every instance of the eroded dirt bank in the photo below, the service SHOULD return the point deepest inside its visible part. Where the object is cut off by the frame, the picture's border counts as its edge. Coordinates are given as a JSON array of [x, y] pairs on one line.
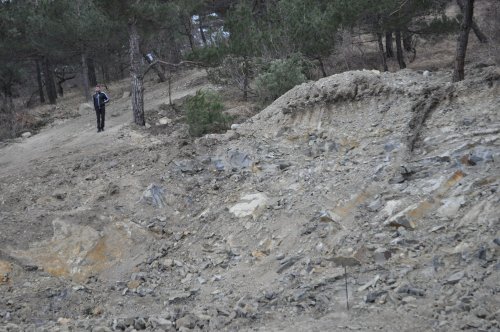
[[393, 176]]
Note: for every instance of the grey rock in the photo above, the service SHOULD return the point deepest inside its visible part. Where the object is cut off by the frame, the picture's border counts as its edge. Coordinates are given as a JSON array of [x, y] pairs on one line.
[[188, 321], [140, 324], [219, 165], [112, 189], [409, 289], [482, 253], [269, 295], [496, 241], [284, 265], [218, 323], [280, 256], [239, 159], [455, 277], [375, 206], [112, 164], [408, 299], [60, 195], [373, 296], [481, 312], [340, 260], [381, 255], [246, 307], [284, 165], [154, 195], [164, 121], [129, 321], [370, 283], [451, 206], [468, 121], [179, 296], [299, 294], [161, 323], [480, 155], [101, 329], [390, 146], [327, 216], [119, 325], [187, 166]]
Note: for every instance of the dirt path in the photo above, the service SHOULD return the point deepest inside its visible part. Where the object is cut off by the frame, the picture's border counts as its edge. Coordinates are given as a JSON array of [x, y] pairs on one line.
[[77, 137], [73, 136]]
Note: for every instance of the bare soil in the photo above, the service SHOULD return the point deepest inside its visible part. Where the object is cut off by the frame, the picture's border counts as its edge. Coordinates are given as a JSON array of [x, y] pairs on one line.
[[381, 185]]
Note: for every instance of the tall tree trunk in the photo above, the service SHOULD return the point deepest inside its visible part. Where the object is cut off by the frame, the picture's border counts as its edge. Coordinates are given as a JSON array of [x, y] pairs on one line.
[[50, 85], [174, 50], [91, 70], [39, 81], [122, 68], [187, 28], [322, 66], [60, 90], [7, 112], [85, 78], [381, 51], [246, 78], [407, 42], [105, 72], [462, 41], [408, 45], [170, 89], [7, 100], [477, 31], [389, 50], [202, 33], [136, 75], [399, 50]]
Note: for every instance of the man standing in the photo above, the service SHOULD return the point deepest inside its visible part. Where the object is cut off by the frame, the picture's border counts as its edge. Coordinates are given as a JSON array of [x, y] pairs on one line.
[[100, 99]]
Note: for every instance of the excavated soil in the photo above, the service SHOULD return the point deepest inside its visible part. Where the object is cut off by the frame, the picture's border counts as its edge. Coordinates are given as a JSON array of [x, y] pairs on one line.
[[362, 201]]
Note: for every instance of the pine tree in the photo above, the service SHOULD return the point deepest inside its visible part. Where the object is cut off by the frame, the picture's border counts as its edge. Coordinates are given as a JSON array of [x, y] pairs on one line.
[[139, 16], [463, 39]]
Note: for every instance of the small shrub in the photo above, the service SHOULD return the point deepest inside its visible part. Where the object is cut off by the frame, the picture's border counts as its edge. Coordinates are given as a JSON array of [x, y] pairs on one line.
[[279, 77], [232, 72], [204, 113]]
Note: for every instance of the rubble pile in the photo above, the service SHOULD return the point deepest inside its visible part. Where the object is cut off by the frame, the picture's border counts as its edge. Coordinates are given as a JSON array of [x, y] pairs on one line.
[[364, 200]]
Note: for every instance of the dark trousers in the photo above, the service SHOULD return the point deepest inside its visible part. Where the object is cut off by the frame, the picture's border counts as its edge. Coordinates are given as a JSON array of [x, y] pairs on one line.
[[100, 114]]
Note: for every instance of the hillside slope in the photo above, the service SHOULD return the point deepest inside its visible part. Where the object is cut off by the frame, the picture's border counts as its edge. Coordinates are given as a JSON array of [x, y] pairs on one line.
[[389, 177]]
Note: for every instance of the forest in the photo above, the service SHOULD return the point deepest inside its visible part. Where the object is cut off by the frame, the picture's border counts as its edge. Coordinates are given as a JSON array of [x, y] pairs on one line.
[[264, 47]]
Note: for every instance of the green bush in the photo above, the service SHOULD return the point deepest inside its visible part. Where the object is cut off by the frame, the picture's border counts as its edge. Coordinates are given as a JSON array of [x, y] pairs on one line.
[[204, 113], [279, 77]]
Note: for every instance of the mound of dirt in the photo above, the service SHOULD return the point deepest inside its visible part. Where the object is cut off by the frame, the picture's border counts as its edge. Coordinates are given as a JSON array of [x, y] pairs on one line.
[[362, 201]]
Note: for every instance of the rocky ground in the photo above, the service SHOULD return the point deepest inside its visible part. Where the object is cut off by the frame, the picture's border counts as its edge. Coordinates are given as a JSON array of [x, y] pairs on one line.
[[362, 201]]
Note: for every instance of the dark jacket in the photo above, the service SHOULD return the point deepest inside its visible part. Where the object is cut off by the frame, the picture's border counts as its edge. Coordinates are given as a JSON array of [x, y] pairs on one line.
[[100, 98]]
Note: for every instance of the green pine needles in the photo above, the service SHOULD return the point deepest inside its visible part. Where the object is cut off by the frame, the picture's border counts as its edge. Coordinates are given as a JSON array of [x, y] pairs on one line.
[[204, 113], [281, 76]]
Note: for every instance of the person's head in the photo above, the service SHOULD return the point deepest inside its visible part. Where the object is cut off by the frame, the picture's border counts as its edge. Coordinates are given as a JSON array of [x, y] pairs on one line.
[[97, 88]]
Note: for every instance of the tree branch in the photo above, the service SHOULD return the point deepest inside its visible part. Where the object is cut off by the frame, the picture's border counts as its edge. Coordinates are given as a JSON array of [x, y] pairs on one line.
[[400, 7], [175, 65]]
